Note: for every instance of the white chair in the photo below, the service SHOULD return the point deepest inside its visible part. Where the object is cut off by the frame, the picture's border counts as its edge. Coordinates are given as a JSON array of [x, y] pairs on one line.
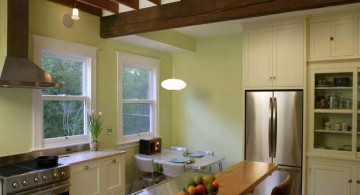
[[173, 169], [180, 149], [146, 171], [211, 153]]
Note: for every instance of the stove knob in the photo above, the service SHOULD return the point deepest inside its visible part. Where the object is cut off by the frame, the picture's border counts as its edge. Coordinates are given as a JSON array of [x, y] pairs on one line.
[[63, 174], [36, 180], [56, 175], [25, 183], [15, 185], [44, 178]]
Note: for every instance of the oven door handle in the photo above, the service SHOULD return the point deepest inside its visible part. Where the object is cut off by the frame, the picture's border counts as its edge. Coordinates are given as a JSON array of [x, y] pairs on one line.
[[43, 191]]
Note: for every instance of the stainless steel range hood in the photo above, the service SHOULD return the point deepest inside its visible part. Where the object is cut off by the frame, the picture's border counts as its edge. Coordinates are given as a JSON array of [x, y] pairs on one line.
[[18, 71]]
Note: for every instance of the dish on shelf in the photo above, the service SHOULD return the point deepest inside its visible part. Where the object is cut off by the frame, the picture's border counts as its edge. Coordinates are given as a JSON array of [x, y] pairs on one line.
[[341, 81]]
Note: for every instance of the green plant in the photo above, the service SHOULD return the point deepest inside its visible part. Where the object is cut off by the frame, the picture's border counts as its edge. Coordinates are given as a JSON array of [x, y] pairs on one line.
[[95, 125]]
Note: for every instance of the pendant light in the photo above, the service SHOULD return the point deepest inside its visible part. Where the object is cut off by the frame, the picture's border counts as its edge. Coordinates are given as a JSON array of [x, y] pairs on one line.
[[75, 13], [173, 84]]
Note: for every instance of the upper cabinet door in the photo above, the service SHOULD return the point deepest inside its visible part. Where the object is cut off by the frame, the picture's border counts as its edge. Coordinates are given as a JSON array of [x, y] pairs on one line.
[[358, 36], [333, 39], [320, 33], [343, 37], [258, 57], [288, 61]]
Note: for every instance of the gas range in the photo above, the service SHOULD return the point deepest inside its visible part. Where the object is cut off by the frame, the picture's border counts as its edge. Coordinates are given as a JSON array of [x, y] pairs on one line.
[[28, 178]]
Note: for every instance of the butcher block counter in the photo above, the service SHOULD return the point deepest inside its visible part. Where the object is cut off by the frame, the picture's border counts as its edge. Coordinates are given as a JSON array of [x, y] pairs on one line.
[[240, 178]]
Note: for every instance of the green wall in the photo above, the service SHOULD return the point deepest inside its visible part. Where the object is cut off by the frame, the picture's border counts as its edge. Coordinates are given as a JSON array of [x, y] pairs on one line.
[[207, 113], [16, 117]]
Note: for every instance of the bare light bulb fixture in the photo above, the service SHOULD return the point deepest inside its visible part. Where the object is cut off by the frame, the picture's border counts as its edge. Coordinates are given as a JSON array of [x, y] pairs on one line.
[[75, 13]]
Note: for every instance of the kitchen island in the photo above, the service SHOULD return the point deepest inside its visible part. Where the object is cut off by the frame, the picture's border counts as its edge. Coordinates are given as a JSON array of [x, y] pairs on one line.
[[240, 178]]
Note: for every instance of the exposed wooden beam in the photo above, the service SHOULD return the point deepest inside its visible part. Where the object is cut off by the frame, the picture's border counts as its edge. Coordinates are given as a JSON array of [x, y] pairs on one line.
[[103, 4], [157, 2], [193, 12], [81, 6], [130, 3]]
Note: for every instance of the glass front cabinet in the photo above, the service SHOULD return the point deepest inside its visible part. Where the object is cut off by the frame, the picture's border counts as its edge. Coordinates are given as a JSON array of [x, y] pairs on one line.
[[334, 109]]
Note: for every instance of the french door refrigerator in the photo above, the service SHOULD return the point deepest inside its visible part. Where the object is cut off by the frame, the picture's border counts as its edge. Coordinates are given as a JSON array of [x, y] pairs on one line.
[[274, 133]]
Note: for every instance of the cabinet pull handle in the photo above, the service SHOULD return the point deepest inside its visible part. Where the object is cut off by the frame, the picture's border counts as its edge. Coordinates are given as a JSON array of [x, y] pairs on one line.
[[358, 181], [86, 168], [114, 161], [331, 38], [350, 180]]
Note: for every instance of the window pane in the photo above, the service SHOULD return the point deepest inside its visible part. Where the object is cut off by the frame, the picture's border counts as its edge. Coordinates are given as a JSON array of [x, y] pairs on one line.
[[63, 118], [67, 72], [135, 83], [136, 118]]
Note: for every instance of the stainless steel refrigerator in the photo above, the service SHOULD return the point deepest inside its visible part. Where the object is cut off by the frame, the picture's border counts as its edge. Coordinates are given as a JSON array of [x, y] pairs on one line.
[[274, 133]]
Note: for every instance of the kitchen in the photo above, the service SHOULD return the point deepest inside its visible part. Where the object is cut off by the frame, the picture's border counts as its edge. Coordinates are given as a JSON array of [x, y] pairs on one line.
[[197, 117]]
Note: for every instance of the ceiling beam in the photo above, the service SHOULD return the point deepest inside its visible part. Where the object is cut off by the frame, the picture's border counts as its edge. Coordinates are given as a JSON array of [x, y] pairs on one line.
[[81, 6], [130, 3], [156, 2], [103, 4], [194, 12]]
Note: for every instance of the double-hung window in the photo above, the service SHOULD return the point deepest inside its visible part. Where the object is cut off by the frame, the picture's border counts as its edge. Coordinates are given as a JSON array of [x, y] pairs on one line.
[[137, 97], [60, 114]]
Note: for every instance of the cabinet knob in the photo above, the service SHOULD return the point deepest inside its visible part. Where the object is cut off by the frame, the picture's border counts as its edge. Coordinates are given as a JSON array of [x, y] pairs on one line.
[[331, 38], [358, 181], [86, 168], [350, 180], [274, 77], [114, 161]]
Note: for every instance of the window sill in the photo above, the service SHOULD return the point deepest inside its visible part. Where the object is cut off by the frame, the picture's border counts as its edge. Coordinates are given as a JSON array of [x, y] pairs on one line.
[[127, 145]]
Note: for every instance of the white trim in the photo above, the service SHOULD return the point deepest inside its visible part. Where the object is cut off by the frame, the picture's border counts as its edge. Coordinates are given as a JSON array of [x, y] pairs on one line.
[[72, 51], [132, 60]]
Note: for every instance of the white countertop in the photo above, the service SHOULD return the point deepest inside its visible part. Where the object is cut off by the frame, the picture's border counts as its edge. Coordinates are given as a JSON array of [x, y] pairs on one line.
[[83, 156]]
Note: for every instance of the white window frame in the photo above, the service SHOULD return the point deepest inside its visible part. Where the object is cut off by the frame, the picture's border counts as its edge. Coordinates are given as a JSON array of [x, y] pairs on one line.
[[132, 60], [72, 51]]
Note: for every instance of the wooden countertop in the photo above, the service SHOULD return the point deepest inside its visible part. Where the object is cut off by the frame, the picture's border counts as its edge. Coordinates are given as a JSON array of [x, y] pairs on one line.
[[242, 177], [83, 156]]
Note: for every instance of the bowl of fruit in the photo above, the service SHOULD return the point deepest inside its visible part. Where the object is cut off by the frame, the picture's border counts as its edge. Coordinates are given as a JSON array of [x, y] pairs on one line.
[[200, 185]]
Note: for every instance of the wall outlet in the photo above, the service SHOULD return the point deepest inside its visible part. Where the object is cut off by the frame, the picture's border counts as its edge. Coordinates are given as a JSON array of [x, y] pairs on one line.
[[109, 131]]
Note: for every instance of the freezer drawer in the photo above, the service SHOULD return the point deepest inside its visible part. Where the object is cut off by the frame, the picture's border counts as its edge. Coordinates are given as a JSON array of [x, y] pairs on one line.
[[277, 177]]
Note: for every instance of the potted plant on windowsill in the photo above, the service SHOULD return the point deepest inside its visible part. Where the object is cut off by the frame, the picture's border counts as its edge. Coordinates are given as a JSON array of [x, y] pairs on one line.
[[95, 127]]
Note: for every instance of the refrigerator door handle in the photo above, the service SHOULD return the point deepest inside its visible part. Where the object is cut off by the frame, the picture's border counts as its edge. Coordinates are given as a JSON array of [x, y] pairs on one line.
[[274, 140], [270, 127]]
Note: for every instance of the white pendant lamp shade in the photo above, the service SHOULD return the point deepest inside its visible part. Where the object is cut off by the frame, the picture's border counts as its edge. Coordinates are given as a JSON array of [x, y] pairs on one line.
[[75, 14], [173, 84]]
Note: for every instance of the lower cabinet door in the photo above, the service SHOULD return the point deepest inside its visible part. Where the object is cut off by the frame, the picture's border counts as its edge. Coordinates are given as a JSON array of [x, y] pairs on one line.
[[85, 179], [358, 182], [329, 179], [114, 176]]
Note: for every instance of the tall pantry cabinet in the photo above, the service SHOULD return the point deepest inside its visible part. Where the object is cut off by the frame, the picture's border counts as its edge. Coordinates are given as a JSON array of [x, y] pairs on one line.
[[333, 135]]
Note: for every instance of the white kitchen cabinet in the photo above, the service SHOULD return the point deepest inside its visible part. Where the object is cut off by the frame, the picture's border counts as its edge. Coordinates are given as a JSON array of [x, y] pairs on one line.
[[357, 183], [274, 56], [332, 39], [114, 175], [85, 178], [329, 179], [104, 176], [358, 36]]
